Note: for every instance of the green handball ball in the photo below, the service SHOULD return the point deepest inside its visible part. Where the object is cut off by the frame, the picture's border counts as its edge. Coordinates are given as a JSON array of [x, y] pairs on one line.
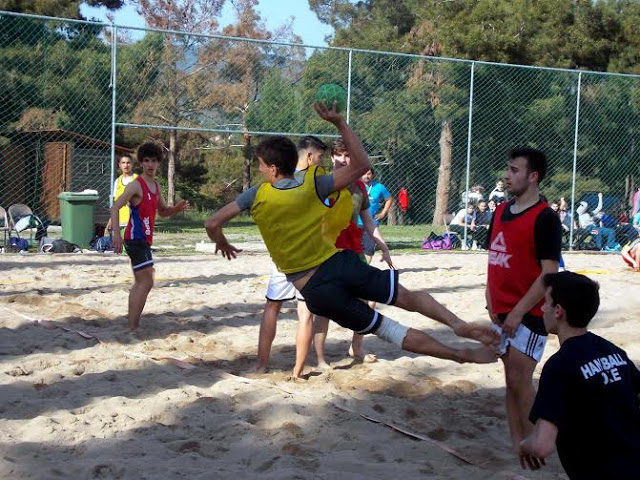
[[330, 92]]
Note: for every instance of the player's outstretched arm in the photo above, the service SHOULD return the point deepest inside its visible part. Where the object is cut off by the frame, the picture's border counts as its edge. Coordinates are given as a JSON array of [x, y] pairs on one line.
[[214, 229], [374, 231], [359, 160]]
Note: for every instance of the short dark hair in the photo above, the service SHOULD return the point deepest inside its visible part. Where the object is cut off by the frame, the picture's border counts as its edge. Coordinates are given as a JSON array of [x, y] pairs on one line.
[[577, 294], [373, 172], [536, 160], [279, 151], [338, 146], [149, 150], [311, 141]]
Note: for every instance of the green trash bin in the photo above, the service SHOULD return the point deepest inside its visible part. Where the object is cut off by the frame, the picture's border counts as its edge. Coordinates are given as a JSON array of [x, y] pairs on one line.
[[76, 216]]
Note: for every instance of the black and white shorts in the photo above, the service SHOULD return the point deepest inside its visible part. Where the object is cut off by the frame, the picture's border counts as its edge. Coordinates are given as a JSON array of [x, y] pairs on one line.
[[139, 252], [280, 289], [335, 291], [525, 340]]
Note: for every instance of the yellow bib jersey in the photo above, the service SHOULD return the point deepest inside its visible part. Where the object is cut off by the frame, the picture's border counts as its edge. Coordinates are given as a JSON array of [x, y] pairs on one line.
[[299, 229], [123, 213]]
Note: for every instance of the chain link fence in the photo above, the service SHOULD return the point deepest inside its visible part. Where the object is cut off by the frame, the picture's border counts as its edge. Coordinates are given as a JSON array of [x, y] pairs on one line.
[[434, 128]]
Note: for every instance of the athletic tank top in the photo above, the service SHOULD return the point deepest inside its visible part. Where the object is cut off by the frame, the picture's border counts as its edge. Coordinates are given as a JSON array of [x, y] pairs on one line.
[[143, 216], [299, 229], [513, 259], [123, 213]]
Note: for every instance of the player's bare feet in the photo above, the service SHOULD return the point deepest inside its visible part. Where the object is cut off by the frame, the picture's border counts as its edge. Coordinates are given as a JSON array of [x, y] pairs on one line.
[[477, 355], [324, 365], [360, 355], [260, 369], [481, 332]]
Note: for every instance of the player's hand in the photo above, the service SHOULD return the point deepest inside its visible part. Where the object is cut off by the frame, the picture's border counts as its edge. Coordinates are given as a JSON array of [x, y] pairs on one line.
[[511, 323], [227, 250], [529, 461], [328, 112], [386, 257], [116, 242], [182, 205], [378, 216]]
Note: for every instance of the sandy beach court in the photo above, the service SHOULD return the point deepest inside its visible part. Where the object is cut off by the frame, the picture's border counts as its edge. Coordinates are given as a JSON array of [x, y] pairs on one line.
[[82, 398]]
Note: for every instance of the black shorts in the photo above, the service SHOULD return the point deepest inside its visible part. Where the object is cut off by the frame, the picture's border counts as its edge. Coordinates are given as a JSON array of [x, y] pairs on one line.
[[139, 252], [335, 289]]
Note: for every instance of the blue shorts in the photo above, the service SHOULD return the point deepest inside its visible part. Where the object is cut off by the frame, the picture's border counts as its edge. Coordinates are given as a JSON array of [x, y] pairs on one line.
[[335, 291], [139, 252]]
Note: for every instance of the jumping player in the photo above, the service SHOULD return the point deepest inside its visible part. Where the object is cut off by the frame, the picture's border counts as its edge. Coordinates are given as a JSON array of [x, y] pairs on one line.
[[144, 199], [525, 238], [310, 152], [299, 230]]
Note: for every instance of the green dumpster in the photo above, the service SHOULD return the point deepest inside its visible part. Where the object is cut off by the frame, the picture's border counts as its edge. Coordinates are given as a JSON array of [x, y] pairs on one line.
[[76, 216]]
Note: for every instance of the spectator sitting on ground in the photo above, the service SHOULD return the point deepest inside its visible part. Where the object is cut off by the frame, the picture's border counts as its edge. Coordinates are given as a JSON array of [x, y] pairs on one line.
[[464, 217], [498, 194], [480, 225], [589, 225]]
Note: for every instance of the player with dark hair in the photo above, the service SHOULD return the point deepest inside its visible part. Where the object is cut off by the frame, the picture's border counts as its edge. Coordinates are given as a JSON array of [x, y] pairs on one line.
[[587, 402], [300, 229], [524, 244]]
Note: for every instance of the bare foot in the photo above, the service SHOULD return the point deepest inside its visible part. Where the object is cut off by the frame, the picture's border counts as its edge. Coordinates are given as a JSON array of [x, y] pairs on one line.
[[481, 332], [324, 365], [260, 369], [362, 356], [477, 355]]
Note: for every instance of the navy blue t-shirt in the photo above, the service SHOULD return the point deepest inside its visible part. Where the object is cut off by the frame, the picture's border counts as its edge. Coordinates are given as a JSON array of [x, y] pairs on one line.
[[589, 390]]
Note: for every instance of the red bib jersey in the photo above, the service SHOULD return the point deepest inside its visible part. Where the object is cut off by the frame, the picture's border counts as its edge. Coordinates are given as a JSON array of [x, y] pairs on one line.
[[351, 237], [143, 216], [513, 259]]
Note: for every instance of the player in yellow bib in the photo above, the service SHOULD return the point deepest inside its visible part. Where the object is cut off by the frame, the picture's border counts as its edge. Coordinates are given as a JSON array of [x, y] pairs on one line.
[[126, 167], [300, 229]]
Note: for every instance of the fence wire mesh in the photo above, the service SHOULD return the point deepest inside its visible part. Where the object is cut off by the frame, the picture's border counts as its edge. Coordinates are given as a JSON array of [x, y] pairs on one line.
[[434, 128]]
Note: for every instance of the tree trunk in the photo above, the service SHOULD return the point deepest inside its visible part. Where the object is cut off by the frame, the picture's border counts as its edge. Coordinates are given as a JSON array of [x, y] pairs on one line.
[[171, 167], [444, 173], [246, 167]]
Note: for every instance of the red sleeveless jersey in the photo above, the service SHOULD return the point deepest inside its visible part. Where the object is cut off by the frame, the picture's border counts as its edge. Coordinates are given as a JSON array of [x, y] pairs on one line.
[[513, 259], [143, 216]]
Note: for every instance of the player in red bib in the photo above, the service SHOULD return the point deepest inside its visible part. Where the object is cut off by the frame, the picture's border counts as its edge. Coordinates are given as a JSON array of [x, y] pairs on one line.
[[525, 239], [143, 196]]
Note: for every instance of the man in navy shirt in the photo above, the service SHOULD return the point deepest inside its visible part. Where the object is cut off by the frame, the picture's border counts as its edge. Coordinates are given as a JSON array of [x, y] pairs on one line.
[[587, 403]]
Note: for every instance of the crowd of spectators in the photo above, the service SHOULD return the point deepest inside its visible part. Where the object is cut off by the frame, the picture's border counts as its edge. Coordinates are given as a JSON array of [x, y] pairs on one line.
[[593, 227]]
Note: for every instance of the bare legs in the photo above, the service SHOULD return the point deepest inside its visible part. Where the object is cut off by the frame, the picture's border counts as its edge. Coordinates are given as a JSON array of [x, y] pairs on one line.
[[268, 333], [142, 285], [520, 393], [422, 302]]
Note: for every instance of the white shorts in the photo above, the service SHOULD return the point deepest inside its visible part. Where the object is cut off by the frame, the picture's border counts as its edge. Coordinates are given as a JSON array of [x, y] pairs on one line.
[[525, 341], [280, 289]]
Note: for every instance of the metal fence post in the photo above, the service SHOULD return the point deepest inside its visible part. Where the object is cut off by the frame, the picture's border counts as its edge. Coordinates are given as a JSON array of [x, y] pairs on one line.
[[349, 87], [470, 122], [114, 49], [575, 159]]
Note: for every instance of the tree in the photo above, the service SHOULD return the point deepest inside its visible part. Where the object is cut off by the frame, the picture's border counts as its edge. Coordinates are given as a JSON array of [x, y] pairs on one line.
[[177, 98], [59, 8]]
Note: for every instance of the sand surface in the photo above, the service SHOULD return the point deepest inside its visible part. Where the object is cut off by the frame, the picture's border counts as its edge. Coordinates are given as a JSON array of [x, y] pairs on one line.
[[110, 407]]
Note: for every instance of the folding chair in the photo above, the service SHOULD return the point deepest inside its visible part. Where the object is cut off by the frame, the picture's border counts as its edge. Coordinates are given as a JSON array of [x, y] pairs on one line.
[[5, 227], [21, 218]]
